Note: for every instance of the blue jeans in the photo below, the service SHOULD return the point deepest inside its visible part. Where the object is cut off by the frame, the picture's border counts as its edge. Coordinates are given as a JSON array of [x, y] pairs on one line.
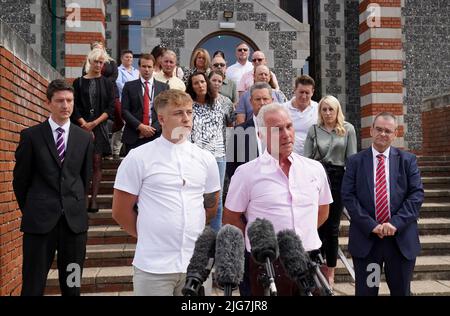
[[216, 222]]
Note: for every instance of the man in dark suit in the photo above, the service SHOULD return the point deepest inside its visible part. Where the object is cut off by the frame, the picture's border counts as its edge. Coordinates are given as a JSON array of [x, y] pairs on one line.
[[382, 191], [244, 139], [51, 175], [141, 121]]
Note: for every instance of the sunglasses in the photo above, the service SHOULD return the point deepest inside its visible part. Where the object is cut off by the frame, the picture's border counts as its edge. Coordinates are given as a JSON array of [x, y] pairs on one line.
[[219, 65], [257, 60], [242, 49]]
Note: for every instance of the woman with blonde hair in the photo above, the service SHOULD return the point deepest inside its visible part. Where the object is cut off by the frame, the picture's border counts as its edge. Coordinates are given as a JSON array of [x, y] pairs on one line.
[[93, 105], [200, 62], [331, 141]]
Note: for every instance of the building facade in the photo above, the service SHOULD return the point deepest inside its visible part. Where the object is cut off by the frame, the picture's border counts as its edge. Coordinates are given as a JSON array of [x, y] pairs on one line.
[[373, 55]]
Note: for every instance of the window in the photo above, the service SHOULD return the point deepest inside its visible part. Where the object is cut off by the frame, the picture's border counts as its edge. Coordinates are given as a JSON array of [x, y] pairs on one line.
[[227, 43], [131, 13]]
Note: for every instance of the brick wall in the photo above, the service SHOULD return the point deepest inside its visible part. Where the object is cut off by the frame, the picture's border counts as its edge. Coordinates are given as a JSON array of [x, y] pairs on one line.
[[435, 126], [381, 64], [22, 104]]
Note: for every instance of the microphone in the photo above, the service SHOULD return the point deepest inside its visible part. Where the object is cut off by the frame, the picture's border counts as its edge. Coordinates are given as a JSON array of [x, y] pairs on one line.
[[201, 263], [299, 266], [229, 258], [264, 251]]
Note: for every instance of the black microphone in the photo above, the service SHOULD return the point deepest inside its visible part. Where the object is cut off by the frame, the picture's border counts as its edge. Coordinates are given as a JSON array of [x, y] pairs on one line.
[[264, 251], [201, 263], [229, 258], [300, 267], [295, 260]]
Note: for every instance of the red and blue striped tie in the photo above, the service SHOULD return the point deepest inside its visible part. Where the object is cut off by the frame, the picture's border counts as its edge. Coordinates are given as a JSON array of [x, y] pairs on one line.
[[381, 196]]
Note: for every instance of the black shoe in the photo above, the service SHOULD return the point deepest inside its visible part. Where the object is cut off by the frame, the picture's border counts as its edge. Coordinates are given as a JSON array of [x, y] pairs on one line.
[[92, 210]]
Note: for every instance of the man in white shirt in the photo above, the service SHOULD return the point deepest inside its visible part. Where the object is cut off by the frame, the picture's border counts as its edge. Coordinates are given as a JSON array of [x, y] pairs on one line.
[[242, 65], [247, 80], [176, 187], [303, 110], [167, 73]]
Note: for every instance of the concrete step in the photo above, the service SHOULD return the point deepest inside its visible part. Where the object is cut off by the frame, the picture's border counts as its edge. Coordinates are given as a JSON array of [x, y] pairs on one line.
[[109, 234], [97, 280], [102, 217], [435, 171], [427, 268], [418, 288], [106, 187], [427, 226], [109, 174], [437, 195], [113, 254], [435, 245], [441, 159], [433, 210], [116, 280], [436, 182]]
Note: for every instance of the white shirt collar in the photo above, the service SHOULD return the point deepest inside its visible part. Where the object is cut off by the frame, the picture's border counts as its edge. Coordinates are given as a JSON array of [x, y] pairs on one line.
[[149, 81], [385, 153], [54, 125], [165, 142]]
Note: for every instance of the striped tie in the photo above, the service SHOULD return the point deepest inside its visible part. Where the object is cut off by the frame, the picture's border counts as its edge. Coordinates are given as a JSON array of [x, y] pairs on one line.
[[381, 197], [60, 146]]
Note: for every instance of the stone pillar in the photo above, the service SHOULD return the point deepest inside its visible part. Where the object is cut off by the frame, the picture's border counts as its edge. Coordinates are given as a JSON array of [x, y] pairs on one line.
[[381, 61], [85, 24], [332, 49]]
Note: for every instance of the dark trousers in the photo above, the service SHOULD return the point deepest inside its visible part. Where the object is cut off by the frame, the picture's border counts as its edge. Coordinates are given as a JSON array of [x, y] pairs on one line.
[[397, 268], [329, 231], [139, 142], [39, 252], [285, 286]]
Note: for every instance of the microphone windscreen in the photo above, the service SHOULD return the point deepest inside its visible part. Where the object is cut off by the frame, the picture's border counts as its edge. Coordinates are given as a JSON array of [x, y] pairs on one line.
[[229, 256], [293, 256], [204, 249], [263, 240]]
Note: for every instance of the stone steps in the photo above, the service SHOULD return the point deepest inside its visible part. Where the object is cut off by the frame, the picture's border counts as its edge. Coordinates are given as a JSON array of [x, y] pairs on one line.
[[418, 288], [435, 171], [436, 182], [116, 280]]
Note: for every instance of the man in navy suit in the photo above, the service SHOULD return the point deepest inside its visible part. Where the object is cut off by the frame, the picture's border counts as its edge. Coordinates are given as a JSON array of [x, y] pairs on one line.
[[244, 140], [141, 121], [382, 191], [52, 172]]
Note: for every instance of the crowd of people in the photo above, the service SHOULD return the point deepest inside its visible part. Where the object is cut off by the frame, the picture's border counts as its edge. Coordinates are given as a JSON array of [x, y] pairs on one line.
[[181, 133]]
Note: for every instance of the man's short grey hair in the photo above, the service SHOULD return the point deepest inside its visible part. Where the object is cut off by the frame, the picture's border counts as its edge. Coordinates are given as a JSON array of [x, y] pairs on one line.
[[260, 86], [270, 108], [386, 115]]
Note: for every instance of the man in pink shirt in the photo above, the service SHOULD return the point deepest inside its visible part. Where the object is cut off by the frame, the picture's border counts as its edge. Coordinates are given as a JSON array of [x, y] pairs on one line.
[[247, 80], [281, 186]]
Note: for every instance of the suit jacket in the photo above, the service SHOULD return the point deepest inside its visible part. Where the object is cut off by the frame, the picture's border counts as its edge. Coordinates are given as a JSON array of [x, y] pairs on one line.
[[406, 197], [132, 109], [43, 187], [244, 144]]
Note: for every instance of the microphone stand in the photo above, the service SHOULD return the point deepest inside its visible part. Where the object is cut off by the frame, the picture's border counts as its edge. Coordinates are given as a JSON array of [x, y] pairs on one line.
[[267, 279], [319, 279], [228, 290]]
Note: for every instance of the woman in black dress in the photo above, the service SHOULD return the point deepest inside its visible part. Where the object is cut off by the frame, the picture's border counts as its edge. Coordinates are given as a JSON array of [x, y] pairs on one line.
[[94, 104]]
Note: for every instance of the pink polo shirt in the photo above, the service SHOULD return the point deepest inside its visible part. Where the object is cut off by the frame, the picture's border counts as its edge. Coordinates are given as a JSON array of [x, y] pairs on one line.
[[259, 188]]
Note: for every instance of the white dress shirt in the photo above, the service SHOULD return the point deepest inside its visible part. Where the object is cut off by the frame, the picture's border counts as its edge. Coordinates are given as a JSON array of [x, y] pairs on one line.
[[237, 70], [151, 88], [169, 180], [54, 126]]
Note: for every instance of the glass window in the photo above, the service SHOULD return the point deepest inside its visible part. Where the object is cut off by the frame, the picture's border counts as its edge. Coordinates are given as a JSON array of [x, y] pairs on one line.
[[161, 5], [135, 10], [130, 38], [225, 43]]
